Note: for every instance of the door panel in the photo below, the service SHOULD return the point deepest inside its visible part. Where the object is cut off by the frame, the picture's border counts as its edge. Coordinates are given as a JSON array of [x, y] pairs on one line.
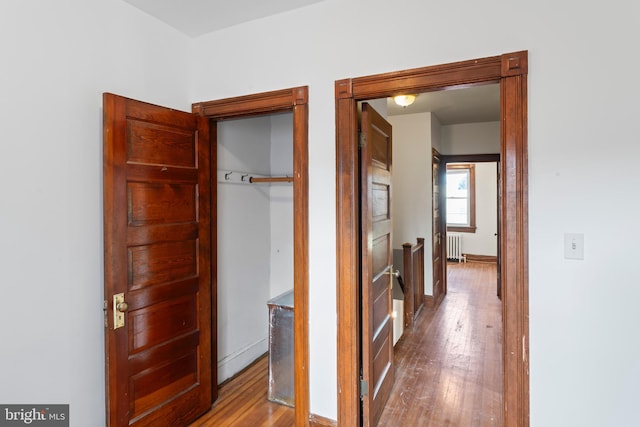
[[157, 221], [499, 225], [376, 302]]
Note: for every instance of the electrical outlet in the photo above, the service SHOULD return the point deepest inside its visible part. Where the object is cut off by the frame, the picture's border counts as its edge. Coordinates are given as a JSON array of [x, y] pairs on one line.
[[574, 246]]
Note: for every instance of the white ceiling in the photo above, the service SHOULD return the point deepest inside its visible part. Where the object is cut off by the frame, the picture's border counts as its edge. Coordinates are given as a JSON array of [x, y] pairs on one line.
[[468, 105], [197, 17]]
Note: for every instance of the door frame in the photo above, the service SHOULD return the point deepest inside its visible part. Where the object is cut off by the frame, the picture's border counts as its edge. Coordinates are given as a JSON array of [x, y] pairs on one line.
[[293, 100], [434, 300], [510, 70], [481, 158]]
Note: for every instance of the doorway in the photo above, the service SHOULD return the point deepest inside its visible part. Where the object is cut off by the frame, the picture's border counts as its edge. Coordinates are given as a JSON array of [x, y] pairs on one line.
[[510, 70], [295, 101], [486, 212], [255, 235], [432, 122]]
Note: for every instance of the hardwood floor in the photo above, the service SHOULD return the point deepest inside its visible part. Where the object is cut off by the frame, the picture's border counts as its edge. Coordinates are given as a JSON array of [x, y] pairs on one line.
[[448, 368], [243, 402]]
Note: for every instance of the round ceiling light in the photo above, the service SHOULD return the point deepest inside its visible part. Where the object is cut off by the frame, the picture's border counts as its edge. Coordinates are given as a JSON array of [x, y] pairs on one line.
[[404, 100]]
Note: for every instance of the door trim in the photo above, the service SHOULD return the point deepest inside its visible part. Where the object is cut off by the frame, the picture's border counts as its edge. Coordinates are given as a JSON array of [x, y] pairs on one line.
[[510, 70], [296, 101], [434, 300]]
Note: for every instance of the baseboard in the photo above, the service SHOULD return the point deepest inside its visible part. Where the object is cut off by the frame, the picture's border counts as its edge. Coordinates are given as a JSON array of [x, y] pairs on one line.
[[429, 301], [480, 258], [235, 362], [318, 421]]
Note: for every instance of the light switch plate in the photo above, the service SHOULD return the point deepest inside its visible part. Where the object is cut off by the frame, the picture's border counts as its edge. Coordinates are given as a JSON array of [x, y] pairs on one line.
[[574, 246]]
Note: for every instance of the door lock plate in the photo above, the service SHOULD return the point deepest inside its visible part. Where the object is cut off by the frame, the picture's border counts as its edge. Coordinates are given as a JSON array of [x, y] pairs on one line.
[[118, 313]]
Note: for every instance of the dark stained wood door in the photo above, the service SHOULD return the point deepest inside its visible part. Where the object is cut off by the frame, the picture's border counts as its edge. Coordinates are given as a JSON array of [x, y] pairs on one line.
[[157, 232], [438, 227], [498, 243], [376, 300]]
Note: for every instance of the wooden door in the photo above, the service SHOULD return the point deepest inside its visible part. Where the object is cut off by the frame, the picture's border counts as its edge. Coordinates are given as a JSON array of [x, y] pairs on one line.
[[157, 233], [438, 227], [498, 243], [376, 300]]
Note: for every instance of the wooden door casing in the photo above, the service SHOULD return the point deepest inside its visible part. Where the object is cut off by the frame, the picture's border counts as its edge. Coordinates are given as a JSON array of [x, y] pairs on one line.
[[295, 100], [157, 253], [376, 300], [510, 70], [439, 229]]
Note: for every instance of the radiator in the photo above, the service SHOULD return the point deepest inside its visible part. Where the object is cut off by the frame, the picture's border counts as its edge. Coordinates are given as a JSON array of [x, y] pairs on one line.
[[454, 247]]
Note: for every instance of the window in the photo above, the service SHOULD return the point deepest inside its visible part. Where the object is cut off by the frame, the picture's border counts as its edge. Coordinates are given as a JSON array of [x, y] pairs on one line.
[[461, 198]]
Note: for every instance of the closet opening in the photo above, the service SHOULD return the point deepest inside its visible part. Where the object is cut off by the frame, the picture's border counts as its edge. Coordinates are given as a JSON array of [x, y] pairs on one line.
[[260, 238], [255, 242]]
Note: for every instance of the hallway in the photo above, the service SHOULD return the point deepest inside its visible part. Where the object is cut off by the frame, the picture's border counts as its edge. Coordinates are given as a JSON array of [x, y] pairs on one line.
[[448, 368]]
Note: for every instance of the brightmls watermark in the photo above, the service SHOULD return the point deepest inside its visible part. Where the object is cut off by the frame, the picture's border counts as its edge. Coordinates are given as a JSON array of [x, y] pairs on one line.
[[34, 415]]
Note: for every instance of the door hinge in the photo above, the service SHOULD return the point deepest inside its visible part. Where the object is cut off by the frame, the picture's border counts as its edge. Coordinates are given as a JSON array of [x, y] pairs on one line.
[[362, 140], [364, 388]]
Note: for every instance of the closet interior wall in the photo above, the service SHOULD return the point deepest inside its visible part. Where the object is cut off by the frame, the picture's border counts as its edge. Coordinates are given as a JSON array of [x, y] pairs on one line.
[[255, 234]]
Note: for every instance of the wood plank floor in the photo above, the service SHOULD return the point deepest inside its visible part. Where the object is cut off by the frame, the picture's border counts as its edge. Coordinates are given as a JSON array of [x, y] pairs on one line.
[[448, 368], [243, 402]]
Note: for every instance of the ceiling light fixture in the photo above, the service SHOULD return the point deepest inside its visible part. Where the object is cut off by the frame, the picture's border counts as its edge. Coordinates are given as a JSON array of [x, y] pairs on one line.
[[404, 100]]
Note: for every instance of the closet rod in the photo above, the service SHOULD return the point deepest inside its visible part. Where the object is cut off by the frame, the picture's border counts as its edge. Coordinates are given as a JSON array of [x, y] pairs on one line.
[[271, 179]]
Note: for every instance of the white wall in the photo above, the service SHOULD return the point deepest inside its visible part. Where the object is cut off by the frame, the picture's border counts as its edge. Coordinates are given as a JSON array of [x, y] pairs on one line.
[[255, 235], [58, 57], [411, 201], [573, 334], [281, 197], [57, 60], [471, 138], [244, 245], [484, 241], [436, 134]]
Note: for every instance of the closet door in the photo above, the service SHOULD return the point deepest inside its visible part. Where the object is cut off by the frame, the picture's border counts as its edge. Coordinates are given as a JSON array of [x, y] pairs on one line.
[[157, 287]]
